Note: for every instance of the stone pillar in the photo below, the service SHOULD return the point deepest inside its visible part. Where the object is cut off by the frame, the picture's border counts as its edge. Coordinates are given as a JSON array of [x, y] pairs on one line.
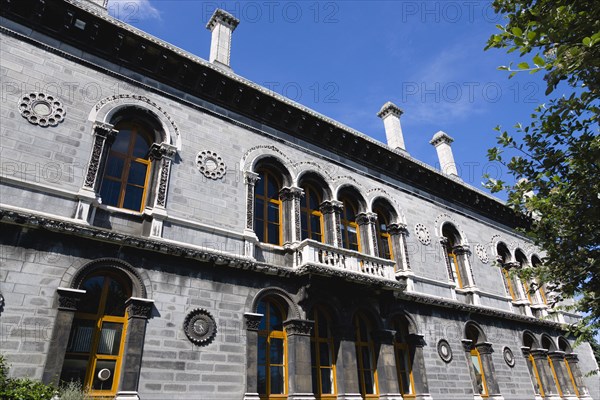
[[162, 154], [68, 300], [398, 233], [299, 363], [536, 386], [485, 353], [387, 376], [368, 233], [250, 238], [104, 136], [346, 366], [444, 244], [138, 312], [540, 358], [572, 362], [332, 210], [252, 322], [221, 24], [290, 203], [562, 375], [416, 343], [390, 114], [441, 141]]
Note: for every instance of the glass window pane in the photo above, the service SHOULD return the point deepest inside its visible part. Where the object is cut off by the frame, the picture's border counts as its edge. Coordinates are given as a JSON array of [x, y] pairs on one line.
[[327, 380], [304, 221], [74, 369], [324, 354], [323, 326], [259, 229], [273, 234], [82, 334], [133, 198], [114, 166], [478, 374], [369, 382], [137, 173], [259, 209], [121, 143], [115, 301], [272, 188], [262, 379], [109, 193], [315, 224], [313, 354], [91, 300], [141, 146], [366, 356], [104, 374], [276, 351], [276, 320], [313, 200], [109, 341], [273, 210], [315, 380], [262, 350], [259, 188], [277, 380]]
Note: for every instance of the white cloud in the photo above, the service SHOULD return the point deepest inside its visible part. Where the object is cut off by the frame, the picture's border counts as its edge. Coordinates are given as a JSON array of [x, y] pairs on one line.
[[131, 11]]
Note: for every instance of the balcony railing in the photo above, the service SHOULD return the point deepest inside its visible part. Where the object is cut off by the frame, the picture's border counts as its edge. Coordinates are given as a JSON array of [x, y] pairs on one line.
[[316, 257]]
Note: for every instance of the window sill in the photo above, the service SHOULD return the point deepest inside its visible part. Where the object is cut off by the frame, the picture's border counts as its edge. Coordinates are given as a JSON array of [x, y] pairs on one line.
[[117, 210]]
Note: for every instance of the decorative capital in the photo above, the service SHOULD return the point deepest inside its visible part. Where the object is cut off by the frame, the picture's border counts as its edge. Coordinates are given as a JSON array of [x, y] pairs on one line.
[[298, 326], [366, 218], [512, 264], [416, 339], [397, 229], [385, 336], [290, 193], [525, 350], [390, 108], [162, 150], [485, 348], [331, 206], [224, 18], [252, 321], [467, 344], [441, 137], [250, 178], [572, 358], [68, 299], [461, 249], [556, 355], [539, 353], [444, 241], [139, 308]]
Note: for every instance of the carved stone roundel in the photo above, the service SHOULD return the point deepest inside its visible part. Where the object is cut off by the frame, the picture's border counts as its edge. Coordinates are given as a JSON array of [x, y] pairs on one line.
[[200, 327], [444, 350], [211, 164], [41, 109], [423, 234], [482, 253], [509, 357]]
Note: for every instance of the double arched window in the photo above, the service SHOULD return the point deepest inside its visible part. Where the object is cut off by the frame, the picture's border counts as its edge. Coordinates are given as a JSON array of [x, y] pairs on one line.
[[96, 343], [311, 217], [272, 350], [384, 239], [348, 226], [365, 354], [504, 259], [455, 260], [267, 208], [322, 355], [530, 343], [127, 170]]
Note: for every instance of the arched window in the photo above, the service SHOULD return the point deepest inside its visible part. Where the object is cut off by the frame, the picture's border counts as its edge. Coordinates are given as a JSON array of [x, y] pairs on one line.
[[127, 171], [522, 260], [267, 208], [504, 258], [348, 225], [548, 344], [272, 350], [365, 354], [384, 240], [322, 355], [480, 384], [96, 342], [529, 343], [565, 346], [454, 259], [404, 358], [536, 263], [311, 217]]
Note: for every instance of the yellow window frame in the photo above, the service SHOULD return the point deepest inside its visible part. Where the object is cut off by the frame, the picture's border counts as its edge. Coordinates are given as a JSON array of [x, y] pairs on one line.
[[266, 177], [271, 334], [536, 375], [475, 352], [453, 260], [572, 377], [509, 284], [370, 346], [316, 339], [306, 211], [555, 376], [403, 347]]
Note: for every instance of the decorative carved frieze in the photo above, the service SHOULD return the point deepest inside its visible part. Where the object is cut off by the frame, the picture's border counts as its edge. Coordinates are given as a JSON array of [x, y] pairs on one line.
[[159, 151], [104, 136], [366, 218], [250, 179], [331, 206], [290, 193], [165, 171], [139, 308], [68, 299], [252, 321], [298, 327]]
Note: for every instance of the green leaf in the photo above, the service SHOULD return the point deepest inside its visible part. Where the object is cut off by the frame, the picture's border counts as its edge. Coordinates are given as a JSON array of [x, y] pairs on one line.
[[587, 41], [517, 31], [539, 61], [531, 35], [523, 65]]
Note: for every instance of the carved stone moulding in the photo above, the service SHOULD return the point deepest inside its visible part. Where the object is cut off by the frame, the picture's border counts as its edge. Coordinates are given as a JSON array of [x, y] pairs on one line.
[[423, 234], [200, 327], [211, 165], [509, 357], [42, 109], [444, 350], [482, 253]]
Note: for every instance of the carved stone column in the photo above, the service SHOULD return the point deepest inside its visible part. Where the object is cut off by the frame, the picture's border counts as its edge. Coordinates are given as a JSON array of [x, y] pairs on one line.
[[346, 366], [252, 321], [572, 362], [540, 358], [68, 300], [299, 363], [462, 255], [138, 312], [332, 210], [485, 353], [290, 202], [416, 343], [536, 386], [562, 375], [104, 136], [368, 233], [398, 233], [387, 376], [250, 238]]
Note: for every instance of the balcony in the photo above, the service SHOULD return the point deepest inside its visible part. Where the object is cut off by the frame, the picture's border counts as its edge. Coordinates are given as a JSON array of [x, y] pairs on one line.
[[312, 257]]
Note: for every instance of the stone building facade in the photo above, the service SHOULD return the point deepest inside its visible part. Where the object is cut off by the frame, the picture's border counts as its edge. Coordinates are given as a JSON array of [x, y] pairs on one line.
[[171, 230]]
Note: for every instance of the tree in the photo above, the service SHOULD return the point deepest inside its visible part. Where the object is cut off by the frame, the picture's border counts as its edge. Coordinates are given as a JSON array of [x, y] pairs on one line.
[[555, 158]]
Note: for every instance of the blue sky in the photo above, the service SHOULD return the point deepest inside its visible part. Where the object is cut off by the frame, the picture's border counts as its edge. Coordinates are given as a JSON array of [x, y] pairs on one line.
[[345, 59]]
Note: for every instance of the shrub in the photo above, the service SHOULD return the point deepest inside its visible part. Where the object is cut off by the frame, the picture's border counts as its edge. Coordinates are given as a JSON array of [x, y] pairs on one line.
[[22, 389]]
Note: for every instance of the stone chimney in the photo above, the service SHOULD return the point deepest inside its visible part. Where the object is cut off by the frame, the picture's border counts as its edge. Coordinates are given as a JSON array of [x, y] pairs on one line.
[[442, 141], [390, 114], [221, 24]]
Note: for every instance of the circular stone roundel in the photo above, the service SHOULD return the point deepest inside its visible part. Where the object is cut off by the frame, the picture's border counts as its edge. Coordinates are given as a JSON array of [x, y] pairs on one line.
[[482, 253], [41, 109], [200, 327], [423, 234], [211, 164], [509, 357], [444, 350]]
